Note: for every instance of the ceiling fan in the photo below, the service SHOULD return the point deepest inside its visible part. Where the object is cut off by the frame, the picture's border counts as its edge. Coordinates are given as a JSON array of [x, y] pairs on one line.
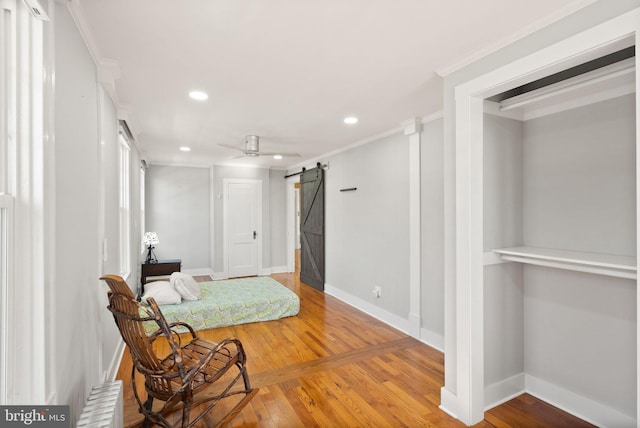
[[252, 148]]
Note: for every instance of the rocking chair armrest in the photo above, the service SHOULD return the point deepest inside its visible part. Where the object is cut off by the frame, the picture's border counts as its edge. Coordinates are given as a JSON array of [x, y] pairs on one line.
[[185, 325]]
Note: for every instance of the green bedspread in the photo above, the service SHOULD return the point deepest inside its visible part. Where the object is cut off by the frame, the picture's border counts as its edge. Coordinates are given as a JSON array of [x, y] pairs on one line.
[[233, 301]]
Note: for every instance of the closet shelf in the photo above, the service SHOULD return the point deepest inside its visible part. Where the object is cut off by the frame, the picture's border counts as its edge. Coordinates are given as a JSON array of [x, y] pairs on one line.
[[601, 264]]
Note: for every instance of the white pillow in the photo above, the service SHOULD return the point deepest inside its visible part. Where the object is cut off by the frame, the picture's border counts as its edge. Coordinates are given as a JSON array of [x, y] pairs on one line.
[[186, 286], [163, 293]]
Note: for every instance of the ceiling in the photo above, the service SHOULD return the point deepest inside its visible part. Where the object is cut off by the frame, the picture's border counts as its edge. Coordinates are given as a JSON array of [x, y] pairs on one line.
[[288, 71]]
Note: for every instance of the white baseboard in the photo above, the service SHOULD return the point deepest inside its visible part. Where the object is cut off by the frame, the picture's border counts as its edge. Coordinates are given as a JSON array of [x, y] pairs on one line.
[[503, 391], [582, 407], [280, 269], [199, 271], [448, 402], [427, 337], [369, 308], [220, 275], [433, 339], [112, 371]]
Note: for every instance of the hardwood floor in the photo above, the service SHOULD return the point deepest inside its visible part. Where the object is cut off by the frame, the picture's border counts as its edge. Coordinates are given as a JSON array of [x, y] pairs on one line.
[[334, 366]]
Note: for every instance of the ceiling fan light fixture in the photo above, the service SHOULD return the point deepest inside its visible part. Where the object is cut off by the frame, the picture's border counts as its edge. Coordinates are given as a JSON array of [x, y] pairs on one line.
[[198, 95], [351, 120]]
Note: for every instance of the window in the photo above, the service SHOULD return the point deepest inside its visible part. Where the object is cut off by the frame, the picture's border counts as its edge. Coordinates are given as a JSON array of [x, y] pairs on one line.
[[8, 112], [125, 216]]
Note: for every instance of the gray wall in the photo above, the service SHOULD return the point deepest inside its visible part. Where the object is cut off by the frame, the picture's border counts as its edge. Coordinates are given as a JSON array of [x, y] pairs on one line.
[[277, 215], [182, 203], [432, 223], [579, 194], [579, 175], [177, 207], [503, 283], [367, 230]]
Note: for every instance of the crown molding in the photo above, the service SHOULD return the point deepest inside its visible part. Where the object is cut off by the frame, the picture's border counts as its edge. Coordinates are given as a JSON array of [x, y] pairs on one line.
[[518, 35], [416, 122]]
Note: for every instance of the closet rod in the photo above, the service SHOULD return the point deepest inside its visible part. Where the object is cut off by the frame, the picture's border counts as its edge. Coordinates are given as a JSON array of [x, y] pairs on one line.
[[616, 70]]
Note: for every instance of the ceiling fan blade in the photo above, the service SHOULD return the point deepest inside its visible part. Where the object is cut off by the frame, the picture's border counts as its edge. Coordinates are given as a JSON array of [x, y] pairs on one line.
[[232, 147], [278, 153]]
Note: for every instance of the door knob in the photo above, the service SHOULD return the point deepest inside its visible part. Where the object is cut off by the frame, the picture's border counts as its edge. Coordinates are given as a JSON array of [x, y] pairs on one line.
[[255, 234]]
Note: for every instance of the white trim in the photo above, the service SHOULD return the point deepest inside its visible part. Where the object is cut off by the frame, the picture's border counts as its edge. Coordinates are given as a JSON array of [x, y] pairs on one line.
[[468, 308], [199, 271], [6, 230], [521, 34], [582, 407], [432, 338], [448, 402], [290, 216], [505, 390], [29, 343], [372, 139], [112, 371], [413, 129], [280, 269], [427, 337], [212, 223], [369, 308]]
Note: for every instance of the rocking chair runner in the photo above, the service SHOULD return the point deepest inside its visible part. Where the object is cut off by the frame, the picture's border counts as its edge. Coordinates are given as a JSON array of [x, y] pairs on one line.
[[181, 376]]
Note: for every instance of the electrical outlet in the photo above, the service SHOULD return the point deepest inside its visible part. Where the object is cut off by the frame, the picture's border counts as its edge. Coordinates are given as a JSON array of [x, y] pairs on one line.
[[377, 291]]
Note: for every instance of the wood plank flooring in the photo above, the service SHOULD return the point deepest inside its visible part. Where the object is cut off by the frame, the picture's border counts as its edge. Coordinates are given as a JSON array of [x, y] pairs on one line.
[[334, 366]]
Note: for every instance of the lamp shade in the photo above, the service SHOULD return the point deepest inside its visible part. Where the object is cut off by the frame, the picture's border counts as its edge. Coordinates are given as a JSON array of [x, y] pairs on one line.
[[151, 238]]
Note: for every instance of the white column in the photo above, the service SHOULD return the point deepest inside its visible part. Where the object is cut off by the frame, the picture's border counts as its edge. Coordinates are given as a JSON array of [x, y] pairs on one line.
[[412, 129]]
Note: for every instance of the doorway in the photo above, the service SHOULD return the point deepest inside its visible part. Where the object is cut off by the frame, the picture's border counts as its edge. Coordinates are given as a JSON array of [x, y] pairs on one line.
[[242, 228], [312, 227]]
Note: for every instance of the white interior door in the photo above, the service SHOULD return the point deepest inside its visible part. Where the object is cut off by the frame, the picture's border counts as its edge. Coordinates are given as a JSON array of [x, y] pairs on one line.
[[243, 227]]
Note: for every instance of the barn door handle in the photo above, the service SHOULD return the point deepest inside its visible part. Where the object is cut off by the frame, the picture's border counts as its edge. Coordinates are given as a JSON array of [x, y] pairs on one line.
[[255, 234]]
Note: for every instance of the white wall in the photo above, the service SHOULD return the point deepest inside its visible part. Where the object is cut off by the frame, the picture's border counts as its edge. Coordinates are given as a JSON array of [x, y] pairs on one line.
[[86, 202]]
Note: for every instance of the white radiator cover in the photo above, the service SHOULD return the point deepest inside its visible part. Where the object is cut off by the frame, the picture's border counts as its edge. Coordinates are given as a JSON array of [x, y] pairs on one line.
[[104, 407]]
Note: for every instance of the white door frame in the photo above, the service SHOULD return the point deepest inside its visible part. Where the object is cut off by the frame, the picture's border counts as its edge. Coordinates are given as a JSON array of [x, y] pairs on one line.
[[291, 221], [465, 351], [225, 220]]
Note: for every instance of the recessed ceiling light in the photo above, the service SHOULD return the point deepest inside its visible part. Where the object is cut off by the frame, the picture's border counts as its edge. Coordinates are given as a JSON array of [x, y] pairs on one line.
[[351, 120], [185, 149], [278, 157], [198, 95]]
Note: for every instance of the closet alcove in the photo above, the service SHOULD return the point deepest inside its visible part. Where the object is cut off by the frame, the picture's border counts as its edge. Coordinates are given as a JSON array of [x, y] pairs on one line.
[[559, 239], [546, 232]]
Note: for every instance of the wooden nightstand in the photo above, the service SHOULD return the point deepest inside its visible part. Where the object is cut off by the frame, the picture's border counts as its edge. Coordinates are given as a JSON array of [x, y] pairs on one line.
[[161, 268]]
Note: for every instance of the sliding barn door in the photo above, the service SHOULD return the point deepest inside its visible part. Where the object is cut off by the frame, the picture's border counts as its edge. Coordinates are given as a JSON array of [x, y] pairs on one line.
[[312, 228]]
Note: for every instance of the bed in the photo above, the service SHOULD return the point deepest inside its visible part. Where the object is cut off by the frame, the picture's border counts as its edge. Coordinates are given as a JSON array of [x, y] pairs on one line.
[[232, 302]]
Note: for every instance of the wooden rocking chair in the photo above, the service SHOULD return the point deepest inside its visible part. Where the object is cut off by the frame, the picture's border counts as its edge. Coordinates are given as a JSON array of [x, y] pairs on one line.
[[183, 375]]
